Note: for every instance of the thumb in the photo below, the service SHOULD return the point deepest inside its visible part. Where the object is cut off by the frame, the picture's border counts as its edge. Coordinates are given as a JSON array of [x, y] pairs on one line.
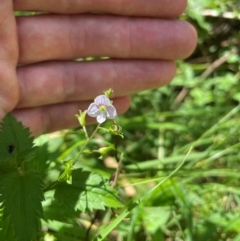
[[9, 90]]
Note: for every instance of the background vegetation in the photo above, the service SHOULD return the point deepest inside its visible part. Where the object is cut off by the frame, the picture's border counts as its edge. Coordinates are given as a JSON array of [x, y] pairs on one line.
[[200, 108]]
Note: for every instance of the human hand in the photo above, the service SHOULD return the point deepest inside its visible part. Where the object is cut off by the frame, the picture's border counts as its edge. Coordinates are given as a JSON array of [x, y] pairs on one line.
[[142, 39]]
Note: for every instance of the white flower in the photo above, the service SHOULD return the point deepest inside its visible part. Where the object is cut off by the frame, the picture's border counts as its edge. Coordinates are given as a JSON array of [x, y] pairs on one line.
[[102, 108]]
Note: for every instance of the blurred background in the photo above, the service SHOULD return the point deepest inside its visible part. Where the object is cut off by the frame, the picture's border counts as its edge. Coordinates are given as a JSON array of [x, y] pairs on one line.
[[200, 108]]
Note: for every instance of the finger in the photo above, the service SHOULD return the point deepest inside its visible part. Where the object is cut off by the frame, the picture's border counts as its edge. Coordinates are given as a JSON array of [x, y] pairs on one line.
[[57, 82], [51, 37], [56, 117], [8, 58], [150, 8]]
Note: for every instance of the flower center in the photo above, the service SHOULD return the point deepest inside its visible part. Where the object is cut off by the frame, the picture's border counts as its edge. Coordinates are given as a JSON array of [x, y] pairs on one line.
[[102, 108]]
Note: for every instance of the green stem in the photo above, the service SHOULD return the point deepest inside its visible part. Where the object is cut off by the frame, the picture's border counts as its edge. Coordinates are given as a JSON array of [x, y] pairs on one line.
[[85, 144], [85, 132], [50, 186]]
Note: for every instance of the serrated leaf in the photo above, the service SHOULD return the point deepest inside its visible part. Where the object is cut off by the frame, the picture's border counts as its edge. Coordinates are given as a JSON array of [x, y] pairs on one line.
[[87, 192], [53, 210], [16, 143], [6, 231], [65, 231], [40, 161], [21, 197]]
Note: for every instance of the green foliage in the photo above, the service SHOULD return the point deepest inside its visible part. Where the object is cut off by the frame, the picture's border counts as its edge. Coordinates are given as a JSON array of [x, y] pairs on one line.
[[26, 172], [16, 144], [21, 196], [20, 192], [87, 192], [200, 108]]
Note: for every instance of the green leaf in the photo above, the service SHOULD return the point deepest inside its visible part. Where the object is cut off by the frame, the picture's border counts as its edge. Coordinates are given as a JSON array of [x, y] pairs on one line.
[[40, 161], [16, 144], [87, 192], [155, 217], [21, 197], [108, 229], [6, 231], [64, 231], [53, 210], [66, 175]]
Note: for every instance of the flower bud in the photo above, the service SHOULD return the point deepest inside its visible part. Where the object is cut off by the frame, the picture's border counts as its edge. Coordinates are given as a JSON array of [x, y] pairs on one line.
[[108, 93], [105, 150], [82, 117], [116, 130]]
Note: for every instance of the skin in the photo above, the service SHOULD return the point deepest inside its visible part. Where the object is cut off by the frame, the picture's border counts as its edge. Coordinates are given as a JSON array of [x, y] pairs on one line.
[[44, 87]]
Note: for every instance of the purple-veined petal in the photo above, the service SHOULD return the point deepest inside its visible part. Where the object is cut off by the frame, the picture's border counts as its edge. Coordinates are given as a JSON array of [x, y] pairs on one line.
[[111, 112], [93, 110], [101, 117], [102, 100], [102, 109]]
